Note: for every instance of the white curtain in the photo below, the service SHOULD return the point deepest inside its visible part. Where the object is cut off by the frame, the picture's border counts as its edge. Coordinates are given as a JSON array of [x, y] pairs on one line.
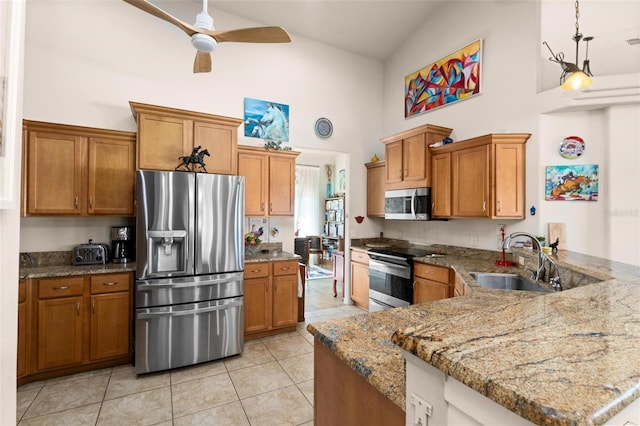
[[307, 201]]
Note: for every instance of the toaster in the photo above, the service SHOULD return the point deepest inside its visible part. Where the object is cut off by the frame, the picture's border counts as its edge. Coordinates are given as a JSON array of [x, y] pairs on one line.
[[91, 254]]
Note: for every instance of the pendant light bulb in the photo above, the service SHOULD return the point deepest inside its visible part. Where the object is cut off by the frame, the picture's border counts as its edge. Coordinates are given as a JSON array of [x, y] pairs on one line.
[[576, 81]]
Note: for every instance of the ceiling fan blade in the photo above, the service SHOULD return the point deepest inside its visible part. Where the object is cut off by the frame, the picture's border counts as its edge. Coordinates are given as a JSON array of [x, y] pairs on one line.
[[145, 6], [202, 62], [251, 35]]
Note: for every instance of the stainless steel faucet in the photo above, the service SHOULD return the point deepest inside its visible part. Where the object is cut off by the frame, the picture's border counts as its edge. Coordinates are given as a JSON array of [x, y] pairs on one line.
[[538, 274], [554, 280]]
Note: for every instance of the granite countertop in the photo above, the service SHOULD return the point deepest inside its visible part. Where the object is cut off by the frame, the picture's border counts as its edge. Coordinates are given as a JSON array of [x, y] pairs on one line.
[[562, 358], [67, 270]]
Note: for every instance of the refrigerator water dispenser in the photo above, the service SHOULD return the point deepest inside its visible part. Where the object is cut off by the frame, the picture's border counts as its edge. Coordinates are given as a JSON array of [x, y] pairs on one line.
[[167, 252]]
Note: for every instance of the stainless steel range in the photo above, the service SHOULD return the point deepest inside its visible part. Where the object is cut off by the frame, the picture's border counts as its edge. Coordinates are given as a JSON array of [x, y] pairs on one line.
[[391, 276], [190, 254]]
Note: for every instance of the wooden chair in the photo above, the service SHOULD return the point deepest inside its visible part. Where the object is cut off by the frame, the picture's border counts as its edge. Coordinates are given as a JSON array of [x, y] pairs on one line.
[[300, 248]]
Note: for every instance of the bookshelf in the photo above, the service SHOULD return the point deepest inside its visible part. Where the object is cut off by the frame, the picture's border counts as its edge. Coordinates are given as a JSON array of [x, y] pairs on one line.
[[333, 226]]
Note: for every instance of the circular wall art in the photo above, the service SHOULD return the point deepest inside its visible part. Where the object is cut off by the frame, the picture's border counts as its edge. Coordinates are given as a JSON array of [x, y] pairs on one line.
[[323, 128], [572, 147]]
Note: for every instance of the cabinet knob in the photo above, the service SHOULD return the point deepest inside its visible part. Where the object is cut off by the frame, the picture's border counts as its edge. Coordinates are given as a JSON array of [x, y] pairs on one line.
[[262, 206], [270, 207], [93, 306], [61, 288], [111, 283], [499, 205], [91, 202], [78, 307], [76, 202], [484, 206]]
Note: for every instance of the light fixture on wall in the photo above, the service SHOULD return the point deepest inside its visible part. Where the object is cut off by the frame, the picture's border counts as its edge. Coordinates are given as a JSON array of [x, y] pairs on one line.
[[572, 77]]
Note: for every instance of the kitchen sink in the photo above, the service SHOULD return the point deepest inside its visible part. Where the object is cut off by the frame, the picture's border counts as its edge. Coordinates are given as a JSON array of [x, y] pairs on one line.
[[507, 282]]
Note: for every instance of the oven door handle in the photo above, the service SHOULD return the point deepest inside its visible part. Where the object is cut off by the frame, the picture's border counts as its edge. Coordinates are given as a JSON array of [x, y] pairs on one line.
[[386, 268], [151, 315]]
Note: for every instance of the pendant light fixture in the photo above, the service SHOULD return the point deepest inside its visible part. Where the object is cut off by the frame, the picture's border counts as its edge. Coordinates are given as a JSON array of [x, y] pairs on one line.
[[572, 77]]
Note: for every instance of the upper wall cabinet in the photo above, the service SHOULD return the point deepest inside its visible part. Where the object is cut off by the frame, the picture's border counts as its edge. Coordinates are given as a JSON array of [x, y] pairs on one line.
[[269, 180], [480, 177], [376, 174], [166, 134], [73, 170], [407, 156]]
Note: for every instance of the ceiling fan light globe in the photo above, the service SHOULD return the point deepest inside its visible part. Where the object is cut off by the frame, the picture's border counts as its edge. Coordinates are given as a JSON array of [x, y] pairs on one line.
[[576, 81], [203, 42]]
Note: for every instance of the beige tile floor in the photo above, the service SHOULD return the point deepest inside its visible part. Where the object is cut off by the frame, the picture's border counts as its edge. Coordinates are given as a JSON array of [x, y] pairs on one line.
[[270, 383]]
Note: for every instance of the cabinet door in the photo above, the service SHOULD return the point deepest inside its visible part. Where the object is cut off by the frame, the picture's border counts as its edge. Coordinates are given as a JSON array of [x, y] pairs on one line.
[[222, 144], [441, 185], [162, 140], [414, 159], [257, 306], [393, 156], [110, 325], [509, 186], [281, 186], [22, 328], [426, 290], [59, 332], [111, 176], [255, 169], [54, 174], [285, 300], [360, 284], [375, 190], [471, 182]]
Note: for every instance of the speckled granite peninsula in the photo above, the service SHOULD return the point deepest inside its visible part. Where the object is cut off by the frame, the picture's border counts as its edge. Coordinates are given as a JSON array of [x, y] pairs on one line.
[[567, 358]]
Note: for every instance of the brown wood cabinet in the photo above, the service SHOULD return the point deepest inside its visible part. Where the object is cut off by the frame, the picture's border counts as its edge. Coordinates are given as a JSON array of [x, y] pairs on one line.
[[441, 185], [269, 180], [23, 326], [408, 160], [431, 283], [459, 286], [376, 176], [487, 177], [73, 170], [165, 134], [270, 298], [360, 279], [78, 323]]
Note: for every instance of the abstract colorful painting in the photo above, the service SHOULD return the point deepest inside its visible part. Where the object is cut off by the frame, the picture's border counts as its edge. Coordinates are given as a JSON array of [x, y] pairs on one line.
[[266, 120], [453, 78], [569, 183]]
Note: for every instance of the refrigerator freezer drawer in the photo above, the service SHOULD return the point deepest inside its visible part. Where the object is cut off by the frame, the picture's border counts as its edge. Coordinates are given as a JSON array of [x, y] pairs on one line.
[[179, 335], [171, 291]]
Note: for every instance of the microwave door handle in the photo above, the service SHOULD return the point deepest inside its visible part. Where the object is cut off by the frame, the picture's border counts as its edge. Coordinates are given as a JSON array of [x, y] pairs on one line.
[[414, 196]]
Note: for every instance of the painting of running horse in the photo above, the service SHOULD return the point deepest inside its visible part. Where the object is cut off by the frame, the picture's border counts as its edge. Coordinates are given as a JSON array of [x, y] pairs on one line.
[[266, 120], [570, 183]]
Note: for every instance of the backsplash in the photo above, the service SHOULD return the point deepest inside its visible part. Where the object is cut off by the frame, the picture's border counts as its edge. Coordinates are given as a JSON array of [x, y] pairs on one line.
[[45, 258]]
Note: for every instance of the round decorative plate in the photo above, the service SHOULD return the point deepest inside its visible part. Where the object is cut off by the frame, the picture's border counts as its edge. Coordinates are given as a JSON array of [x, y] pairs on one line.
[[323, 128], [572, 147]]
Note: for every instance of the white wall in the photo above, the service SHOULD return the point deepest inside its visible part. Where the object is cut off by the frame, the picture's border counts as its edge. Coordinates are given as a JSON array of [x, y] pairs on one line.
[[134, 56], [506, 102]]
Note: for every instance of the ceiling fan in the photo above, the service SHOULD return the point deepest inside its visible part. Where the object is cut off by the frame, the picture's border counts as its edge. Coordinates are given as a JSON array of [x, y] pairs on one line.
[[205, 38]]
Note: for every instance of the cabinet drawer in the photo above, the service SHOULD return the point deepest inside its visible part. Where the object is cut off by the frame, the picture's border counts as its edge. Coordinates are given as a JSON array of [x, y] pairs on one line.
[[360, 257], [256, 270], [430, 272], [60, 287], [109, 283], [289, 267], [22, 291]]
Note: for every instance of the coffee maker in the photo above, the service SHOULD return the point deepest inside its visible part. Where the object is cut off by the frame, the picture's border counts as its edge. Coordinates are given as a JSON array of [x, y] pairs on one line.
[[122, 244]]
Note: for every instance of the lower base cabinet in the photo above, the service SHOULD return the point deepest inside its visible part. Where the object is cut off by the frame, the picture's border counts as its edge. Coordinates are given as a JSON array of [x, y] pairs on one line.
[[360, 279], [431, 283], [73, 324], [270, 298]]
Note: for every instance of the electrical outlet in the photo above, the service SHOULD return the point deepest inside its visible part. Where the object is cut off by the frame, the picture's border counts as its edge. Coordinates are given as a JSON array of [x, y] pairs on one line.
[[91, 237], [422, 410], [400, 234], [473, 240]]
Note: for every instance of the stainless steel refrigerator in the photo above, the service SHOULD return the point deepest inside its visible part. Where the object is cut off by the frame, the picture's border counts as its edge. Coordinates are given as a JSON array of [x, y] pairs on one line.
[[190, 259]]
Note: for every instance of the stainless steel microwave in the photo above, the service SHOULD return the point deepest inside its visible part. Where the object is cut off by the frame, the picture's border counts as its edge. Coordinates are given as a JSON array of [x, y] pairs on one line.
[[408, 204]]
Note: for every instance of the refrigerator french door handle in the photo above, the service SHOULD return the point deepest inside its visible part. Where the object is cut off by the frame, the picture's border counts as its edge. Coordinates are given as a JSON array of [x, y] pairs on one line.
[[151, 287], [151, 315]]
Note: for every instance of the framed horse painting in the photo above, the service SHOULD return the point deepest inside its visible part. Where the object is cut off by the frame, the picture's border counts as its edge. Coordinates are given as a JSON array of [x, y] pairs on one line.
[[266, 120], [572, 183]]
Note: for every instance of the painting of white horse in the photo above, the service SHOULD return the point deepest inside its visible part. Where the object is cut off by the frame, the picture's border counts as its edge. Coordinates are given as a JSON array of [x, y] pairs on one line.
[[266, 120]]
